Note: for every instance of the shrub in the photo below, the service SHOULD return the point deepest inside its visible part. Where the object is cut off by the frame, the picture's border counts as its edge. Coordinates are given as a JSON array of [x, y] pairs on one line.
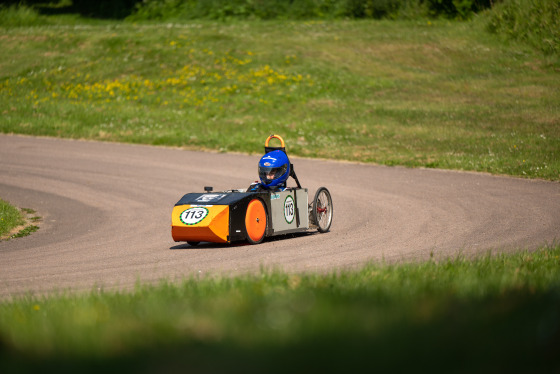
[[19, 15], [457, 9], [116, 9], [536, 22]]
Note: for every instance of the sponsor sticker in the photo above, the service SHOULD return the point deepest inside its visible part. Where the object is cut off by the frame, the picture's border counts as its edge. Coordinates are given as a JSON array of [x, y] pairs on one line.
[[274, 196], [194, 215], [289, 209], [209, 197]]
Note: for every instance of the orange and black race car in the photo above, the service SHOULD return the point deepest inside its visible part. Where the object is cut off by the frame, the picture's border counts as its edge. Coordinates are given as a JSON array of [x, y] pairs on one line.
[[269, 208]]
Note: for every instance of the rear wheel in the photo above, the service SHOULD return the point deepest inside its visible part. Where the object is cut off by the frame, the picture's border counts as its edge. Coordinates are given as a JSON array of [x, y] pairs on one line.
[[322, 209], [255, 221]]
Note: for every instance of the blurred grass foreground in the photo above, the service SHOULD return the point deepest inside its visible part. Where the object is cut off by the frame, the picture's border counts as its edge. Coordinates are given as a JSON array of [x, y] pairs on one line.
[[497, 313]]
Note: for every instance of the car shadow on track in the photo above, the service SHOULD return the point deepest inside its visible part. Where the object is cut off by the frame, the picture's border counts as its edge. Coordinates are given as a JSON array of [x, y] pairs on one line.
[[206, 245]]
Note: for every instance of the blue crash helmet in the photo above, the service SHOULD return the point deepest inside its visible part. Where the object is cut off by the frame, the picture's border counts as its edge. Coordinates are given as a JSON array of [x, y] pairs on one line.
[[274, 169]]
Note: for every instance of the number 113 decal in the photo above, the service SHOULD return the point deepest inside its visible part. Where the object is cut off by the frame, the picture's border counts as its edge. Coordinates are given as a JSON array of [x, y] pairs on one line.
[[289, 209], [192, 216]]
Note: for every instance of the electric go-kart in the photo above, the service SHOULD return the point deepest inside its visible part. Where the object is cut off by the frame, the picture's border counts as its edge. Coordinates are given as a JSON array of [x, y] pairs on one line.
[[262, 210]]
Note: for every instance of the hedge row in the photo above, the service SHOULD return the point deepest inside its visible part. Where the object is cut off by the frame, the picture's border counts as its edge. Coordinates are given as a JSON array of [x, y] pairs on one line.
[[536, 22], [261, 9], [306, 9]]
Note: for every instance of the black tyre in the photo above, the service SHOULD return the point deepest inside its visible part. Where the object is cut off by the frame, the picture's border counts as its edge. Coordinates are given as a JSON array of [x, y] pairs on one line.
[[322, 210], [193, 244]]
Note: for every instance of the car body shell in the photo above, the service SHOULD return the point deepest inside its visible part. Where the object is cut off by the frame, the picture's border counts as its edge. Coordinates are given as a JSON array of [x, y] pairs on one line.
[[222, 217]]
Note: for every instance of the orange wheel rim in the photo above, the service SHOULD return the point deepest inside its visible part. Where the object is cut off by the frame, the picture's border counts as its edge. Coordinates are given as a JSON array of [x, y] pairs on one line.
[[255, 220]]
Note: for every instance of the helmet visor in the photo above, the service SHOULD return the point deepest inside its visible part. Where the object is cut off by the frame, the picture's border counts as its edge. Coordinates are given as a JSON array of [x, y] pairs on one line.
[[269, 174]]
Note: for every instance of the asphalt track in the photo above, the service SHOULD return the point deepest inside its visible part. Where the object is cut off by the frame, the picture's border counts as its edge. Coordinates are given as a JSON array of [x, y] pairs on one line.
[[106, 212]]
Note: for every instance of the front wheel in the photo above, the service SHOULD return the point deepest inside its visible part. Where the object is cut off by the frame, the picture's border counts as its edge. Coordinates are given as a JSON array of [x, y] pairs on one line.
[[322, 210], [255, 221]]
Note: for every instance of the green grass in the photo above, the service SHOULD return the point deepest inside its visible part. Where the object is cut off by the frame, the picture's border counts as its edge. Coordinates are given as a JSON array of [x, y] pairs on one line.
[[415, 93], [494, 313], [10, 218]]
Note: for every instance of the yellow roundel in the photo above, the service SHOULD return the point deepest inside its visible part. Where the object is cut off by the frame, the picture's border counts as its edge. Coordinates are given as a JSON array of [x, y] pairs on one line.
[[194, 215]]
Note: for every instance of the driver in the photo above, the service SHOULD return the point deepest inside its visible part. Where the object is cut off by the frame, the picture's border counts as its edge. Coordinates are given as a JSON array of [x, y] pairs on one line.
[[274, 170]]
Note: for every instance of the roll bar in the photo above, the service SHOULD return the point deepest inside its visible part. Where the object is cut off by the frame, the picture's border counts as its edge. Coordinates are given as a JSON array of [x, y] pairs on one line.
[[273, 136]]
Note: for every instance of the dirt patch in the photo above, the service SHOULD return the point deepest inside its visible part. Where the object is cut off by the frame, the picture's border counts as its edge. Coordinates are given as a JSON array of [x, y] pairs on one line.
[[32, 222]]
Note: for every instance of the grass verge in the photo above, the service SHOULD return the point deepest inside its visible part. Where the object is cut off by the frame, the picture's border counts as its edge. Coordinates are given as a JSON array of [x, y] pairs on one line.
[[494, 313], [16, 223], [10, 217], [415, 93]]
